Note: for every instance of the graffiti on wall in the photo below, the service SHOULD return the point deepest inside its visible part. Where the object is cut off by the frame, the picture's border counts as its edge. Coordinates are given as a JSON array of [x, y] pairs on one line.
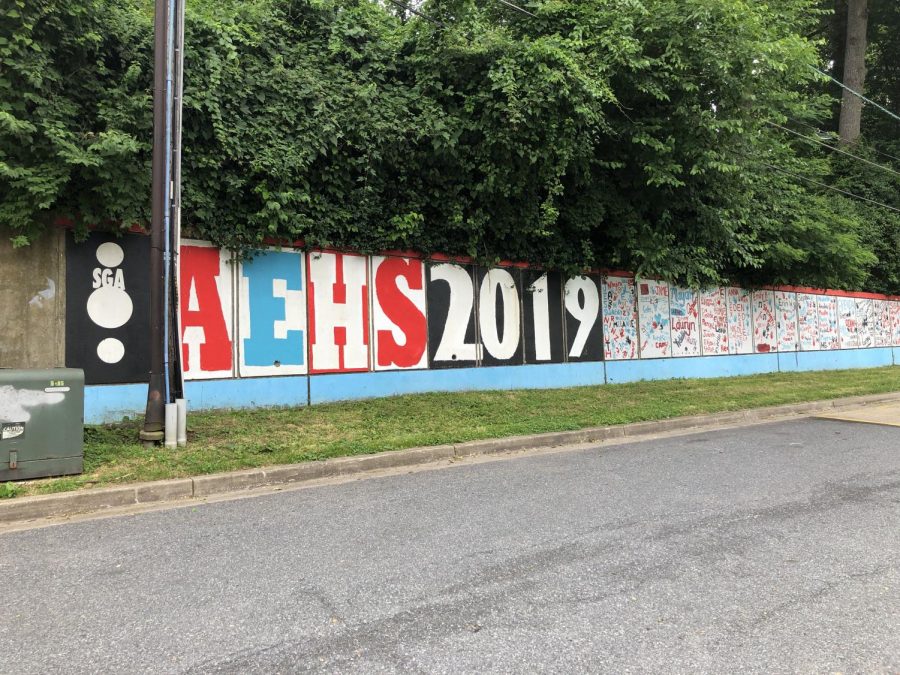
[[764, 337], [108, 307], [895, 323], [848, 323], [786, 321], [865, 322], [740, 321], [829, 322], [713, 322], [883, 330], [685, 304], [807, 322], [653, 318], [619, 319]]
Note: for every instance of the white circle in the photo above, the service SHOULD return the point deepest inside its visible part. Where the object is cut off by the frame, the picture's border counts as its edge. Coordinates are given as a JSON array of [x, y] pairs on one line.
[[111, 350], [109, 307], [110, 254]]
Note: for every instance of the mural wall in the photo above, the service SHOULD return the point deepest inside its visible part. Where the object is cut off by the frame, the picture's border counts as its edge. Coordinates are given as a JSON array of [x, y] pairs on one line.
[[286, 312]]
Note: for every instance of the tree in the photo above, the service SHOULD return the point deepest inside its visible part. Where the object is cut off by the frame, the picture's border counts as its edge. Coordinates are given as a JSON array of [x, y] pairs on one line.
[[629, 133], [854, 70]]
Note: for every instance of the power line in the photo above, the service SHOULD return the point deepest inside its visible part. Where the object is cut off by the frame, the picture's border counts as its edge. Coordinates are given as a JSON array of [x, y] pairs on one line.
[[517, 8], [856, 93], [834, 149], [832, 134], [820, 184], [413, 10]]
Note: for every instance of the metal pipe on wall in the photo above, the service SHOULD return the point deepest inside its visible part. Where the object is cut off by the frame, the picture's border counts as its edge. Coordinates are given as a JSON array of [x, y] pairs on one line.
[[176, 386]]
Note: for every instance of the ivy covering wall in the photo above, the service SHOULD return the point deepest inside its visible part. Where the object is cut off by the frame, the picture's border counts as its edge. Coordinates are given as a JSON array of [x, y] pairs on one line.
[[628, 134]]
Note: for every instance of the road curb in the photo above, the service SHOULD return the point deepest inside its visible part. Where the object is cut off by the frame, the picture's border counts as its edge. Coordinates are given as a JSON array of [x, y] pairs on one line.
[[85, 501]]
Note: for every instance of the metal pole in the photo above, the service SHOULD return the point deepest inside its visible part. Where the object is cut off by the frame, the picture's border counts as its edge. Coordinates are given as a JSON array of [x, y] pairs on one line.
[[154, 418], [167, 219], [175, 361]]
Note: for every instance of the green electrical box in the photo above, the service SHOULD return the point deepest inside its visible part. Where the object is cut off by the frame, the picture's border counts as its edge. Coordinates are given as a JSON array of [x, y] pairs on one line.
[[41, 423]]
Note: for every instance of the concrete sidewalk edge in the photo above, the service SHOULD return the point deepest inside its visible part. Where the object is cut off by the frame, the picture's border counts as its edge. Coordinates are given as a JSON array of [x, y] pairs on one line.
[[85, 501]]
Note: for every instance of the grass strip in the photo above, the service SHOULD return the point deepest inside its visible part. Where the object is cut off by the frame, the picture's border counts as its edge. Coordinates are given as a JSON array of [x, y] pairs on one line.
[[225, 441]]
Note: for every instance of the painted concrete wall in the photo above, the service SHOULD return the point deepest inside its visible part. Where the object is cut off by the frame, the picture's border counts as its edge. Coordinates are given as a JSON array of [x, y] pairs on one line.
[[33, 302], [293, 328]]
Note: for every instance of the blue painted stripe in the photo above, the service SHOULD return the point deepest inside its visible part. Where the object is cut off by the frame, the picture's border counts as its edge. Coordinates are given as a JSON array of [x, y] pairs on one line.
[[787, 362], [692, 366], [250, 392], [349, 386], [845, 358], [110, 403], [113, 402]]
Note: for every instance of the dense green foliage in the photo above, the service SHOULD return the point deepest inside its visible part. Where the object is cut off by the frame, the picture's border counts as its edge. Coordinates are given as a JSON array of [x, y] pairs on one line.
[[626, 133]]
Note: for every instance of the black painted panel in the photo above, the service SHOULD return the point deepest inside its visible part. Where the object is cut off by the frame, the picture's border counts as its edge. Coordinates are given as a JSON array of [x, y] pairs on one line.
[[108, 307], [584, 326], [500, 297], [451, 338], [543, 316]]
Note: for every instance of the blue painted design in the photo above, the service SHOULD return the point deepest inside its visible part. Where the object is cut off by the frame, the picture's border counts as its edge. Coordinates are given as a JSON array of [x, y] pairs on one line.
[[692, 366], [262, 348], [348, 386]]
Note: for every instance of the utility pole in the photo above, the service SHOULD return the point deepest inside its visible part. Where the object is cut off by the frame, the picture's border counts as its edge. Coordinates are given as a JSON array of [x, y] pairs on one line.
[[165, 381], [154, 418]]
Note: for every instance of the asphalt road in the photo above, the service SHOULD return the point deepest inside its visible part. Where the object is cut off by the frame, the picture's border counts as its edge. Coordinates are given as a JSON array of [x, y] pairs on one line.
[[770, 548]]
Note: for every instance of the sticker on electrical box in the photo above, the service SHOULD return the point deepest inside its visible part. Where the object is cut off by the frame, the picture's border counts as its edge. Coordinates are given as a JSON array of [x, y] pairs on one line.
[[11, 430]]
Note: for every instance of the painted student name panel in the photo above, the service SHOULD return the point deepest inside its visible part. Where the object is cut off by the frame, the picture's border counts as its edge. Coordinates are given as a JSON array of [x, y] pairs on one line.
[[882, 330], [786, 321], [206, 309], [865, 314], [399, 323], [765, 339], [272, 314], [895, 323], [829, 322], [685, 312], [619, 319], [713, 322], [653, 318], [740, 321], [807, 322], [848, 323]]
